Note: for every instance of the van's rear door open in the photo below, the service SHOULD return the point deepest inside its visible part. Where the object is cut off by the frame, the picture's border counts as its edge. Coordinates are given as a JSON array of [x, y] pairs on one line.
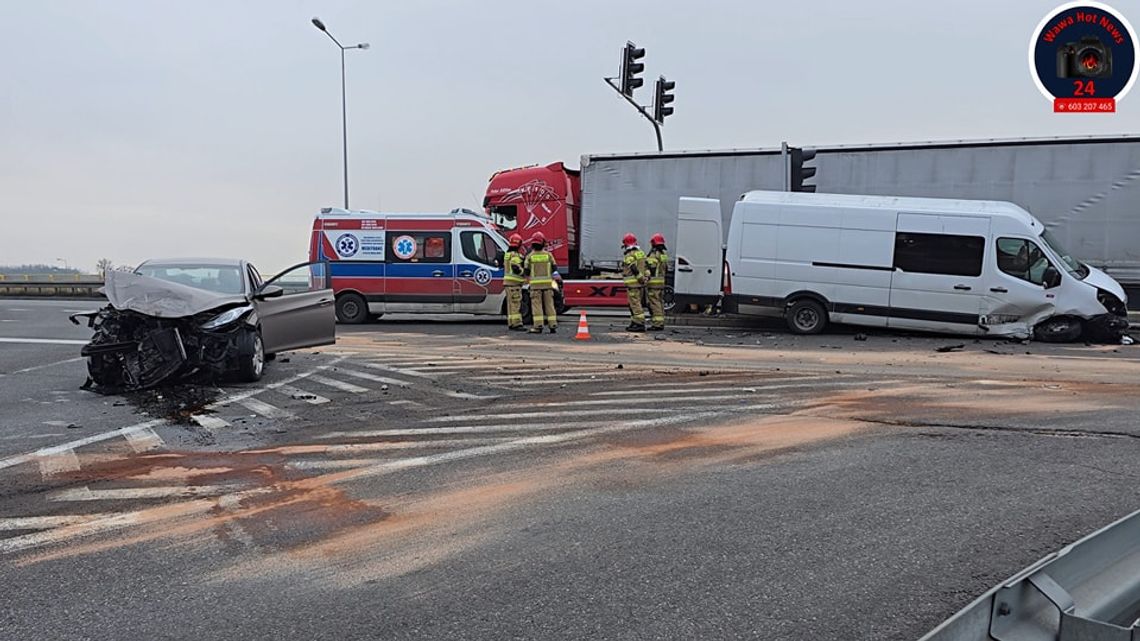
[[699, 249]]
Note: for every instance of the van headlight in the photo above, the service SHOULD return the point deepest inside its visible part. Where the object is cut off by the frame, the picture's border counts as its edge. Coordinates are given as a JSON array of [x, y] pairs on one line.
[[226, 317], [1114, 305]]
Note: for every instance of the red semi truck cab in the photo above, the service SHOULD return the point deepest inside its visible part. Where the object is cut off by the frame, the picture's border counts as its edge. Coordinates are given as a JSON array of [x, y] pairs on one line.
[[530, 199]]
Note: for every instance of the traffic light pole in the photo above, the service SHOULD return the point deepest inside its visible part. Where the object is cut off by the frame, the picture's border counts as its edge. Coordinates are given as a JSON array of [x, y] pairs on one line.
[[641, 110]]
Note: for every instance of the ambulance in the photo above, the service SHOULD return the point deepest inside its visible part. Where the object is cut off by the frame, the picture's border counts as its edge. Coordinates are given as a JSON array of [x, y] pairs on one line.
[[421, 263]]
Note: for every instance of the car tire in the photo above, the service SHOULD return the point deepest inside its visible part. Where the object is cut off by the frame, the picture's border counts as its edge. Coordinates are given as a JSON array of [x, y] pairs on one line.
[[806, 316], [103, 372], [251, 356], [351, 309], [1062, 329]]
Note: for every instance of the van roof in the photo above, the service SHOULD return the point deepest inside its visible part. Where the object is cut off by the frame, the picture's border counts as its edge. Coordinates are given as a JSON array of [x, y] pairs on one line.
[[337, 212], [992, 208]]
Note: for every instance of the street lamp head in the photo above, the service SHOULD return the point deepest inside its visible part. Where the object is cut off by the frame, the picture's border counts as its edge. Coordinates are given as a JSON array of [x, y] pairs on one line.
[[318, 24], [363, 45]]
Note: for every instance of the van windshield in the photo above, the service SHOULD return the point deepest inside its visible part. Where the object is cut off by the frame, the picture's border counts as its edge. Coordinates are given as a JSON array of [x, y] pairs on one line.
[[1072, 265]]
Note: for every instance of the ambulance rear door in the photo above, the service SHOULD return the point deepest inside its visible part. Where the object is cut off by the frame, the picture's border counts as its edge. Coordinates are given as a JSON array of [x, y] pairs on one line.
[[479, 270]]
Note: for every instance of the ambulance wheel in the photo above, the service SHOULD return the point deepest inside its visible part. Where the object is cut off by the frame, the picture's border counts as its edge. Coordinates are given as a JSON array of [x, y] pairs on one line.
[[351, 309], [1063, 329], [806, 316]]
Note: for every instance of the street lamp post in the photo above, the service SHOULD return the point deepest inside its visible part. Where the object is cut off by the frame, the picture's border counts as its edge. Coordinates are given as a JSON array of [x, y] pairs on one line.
[[343, 100]]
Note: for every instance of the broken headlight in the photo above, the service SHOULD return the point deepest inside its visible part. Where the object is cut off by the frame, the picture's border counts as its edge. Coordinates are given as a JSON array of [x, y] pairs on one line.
[[226, 317], [1114, 305]]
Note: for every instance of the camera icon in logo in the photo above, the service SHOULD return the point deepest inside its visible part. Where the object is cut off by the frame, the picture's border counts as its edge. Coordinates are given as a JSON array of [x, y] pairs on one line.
[[1086, 58]]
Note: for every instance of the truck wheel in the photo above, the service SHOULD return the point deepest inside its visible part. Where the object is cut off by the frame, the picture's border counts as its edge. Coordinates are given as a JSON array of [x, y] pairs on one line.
[[351, 309], [251, 356], [1063, 329], [806, 316]]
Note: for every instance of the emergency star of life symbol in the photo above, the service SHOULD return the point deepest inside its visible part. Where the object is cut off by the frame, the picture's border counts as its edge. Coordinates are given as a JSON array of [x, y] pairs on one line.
[[346, 245], [533, 196], [404, 247]]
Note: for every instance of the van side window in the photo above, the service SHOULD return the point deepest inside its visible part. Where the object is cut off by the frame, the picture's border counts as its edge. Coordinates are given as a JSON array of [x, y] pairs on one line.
[[948, 254], [479, 247], [418, 247], [1022, 259]]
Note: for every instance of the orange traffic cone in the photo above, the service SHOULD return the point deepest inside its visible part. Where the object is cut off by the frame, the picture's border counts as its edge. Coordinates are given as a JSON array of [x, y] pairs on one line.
[[583, 329]]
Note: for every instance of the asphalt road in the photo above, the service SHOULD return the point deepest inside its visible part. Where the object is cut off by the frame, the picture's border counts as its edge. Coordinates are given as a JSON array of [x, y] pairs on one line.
[[428, 480]]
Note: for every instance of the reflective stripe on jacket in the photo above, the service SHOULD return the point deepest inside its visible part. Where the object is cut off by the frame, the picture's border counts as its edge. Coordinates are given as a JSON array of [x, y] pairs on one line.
[[658, 261], [513, 269], [633, 267], [539, 268]]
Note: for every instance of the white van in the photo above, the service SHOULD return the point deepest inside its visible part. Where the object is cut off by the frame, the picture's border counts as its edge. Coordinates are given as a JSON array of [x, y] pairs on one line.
[[956, 266]]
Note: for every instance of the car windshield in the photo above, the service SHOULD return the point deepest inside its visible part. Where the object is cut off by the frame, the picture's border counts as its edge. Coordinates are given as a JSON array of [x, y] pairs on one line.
[[222, 279], [1072, 265]]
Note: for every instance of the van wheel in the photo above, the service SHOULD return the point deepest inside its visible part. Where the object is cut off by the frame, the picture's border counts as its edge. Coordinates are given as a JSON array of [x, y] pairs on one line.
[[669, 300], [806, 316], [351, 309], [1064, 329]]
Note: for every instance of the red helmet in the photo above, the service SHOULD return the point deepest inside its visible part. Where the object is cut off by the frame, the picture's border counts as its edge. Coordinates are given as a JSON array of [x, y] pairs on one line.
[[515, 240], [657, 239], [629, 239], [538, 238]]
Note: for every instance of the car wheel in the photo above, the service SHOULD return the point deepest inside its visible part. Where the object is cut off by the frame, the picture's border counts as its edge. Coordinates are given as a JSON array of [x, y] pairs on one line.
[[103, 371], [251, 356], [806, 316], [351, 309], [1065, 329]]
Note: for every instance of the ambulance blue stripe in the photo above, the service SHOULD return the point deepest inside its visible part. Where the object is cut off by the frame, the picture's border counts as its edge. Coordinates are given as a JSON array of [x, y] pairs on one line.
[[357, 269]]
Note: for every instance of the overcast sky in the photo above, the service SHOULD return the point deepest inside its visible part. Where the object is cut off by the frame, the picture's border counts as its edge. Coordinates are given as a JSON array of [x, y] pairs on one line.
[[133, 129]]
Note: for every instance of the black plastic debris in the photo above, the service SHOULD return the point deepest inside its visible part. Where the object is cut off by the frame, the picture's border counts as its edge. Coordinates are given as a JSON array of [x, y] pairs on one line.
[[950, 348]]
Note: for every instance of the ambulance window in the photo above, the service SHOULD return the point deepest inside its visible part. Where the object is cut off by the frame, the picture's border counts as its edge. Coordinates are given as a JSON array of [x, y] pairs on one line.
[[418, 247], [479, 247]]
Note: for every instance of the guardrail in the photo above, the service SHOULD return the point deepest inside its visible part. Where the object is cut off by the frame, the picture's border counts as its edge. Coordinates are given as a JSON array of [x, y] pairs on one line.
[[1088, 591], [49, 289], [51, 278]]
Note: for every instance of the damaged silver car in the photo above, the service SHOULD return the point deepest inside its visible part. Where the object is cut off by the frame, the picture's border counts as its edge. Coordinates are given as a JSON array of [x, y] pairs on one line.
[[203, 318]]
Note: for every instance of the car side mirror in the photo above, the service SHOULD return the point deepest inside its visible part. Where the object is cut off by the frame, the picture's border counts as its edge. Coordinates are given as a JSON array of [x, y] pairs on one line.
[[269, 291], [1052, 277]]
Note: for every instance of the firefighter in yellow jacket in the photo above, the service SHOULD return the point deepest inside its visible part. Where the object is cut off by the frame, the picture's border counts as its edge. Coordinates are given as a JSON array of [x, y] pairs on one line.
[[539, 269], [513, 279], [658, 262], [635, 273]]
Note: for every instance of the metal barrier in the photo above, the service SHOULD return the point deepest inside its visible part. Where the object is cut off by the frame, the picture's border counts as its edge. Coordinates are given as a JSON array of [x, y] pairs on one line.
[[1088, 591], [48, 289]]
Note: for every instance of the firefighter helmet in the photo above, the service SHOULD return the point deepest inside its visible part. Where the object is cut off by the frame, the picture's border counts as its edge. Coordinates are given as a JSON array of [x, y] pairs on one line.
[[515, 240], [538, 238], [657, 239], [629, 240]]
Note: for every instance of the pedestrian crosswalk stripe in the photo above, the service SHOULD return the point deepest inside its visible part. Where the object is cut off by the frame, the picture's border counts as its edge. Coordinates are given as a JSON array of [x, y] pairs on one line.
[[372, 377], [340, 385], [265, 409], [302, 395], [46, 522], [58, 463], [130, 493], [144, 440], [210, 421]]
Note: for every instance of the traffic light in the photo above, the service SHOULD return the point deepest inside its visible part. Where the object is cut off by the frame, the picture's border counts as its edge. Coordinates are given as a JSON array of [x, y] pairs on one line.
[[662, 97], [799, 171], [630, 68]]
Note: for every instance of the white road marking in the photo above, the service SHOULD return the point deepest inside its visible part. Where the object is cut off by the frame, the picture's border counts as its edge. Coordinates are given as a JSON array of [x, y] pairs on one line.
[[210, 422], [396, 370], [567, 415], [8, 320], [552, 380], [265, 409], [300, 394], [47, 522], [144, 440], [406, 402], [372, 377], [332, 464], [465, 429], [56, 449], [383, 446], [563, 372], [458, 368], [53, 464], [708, 398], [340, 385], [132, 493], [44, 341], [651, 391]]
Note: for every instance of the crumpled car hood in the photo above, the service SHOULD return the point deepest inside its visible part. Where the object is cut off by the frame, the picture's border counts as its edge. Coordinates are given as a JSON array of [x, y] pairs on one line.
[[160, 298]]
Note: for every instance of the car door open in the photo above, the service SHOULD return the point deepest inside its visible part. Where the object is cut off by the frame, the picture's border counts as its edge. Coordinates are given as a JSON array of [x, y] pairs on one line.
[[296, 308]]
